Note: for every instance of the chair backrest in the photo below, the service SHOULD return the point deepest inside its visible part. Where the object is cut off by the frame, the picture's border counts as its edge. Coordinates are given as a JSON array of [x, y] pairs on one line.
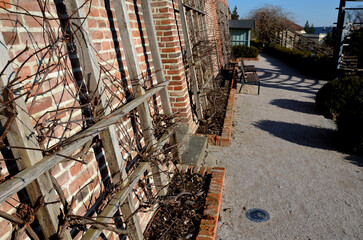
[[243, 63], [243, 73]]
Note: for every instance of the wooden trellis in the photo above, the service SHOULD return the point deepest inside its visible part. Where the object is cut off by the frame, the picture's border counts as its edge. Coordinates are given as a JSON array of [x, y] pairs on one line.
[[193, 19], [224, 28], [34, 174], [191, 64]]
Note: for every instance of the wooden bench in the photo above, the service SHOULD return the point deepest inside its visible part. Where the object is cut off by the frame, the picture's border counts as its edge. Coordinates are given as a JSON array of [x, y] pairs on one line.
[[249, 77], [248, 68]]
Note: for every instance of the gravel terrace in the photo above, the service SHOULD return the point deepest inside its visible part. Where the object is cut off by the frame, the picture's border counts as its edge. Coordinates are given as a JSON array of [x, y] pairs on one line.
[[281, 160]]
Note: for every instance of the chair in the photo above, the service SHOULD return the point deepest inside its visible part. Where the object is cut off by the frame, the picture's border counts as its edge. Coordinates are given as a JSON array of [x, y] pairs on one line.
[[249, 78]]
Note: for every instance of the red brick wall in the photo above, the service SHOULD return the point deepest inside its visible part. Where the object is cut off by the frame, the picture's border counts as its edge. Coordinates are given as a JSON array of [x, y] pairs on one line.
[[171, 42], [214, 28], [54, 95], [171, 39], [52, 92]]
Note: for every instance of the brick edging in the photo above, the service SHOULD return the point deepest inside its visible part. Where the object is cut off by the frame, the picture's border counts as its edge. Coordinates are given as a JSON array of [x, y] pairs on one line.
[[225, 138], [251, 59], [209, 222]]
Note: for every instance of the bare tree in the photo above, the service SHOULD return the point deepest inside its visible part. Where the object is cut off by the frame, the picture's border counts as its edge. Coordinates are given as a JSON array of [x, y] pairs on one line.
[[270, 19]]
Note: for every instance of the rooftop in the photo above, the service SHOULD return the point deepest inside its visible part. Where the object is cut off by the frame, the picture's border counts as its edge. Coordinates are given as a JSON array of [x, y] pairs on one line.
[[245, 23], [319, 30]]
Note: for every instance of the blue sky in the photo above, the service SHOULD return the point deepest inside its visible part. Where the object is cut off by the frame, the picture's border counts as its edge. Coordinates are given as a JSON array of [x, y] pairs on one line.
[[318, 12]]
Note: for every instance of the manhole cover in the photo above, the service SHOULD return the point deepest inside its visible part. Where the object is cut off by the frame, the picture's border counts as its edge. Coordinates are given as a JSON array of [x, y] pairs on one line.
[[257, 215]]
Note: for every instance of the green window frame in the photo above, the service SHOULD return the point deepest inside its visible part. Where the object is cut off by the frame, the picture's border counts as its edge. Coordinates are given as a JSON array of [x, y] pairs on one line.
[[240, 37]]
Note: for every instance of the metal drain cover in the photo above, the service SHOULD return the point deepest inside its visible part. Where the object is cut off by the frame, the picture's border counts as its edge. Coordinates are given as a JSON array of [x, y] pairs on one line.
[[257, 215]]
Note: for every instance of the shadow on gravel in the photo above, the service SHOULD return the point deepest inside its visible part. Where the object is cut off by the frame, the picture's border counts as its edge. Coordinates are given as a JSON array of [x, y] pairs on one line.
[[321, 138], [287, 78], [355, 160], [287, 81], [297, 106]]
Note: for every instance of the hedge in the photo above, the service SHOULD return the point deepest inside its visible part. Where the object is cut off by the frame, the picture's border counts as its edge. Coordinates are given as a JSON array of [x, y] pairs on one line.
[[350, 126], [335, 94], [244, 51], [257, 43], [315, 65], [343, 98]]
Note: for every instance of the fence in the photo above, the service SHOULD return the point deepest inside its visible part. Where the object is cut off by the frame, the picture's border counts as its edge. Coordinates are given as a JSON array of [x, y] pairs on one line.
[[294, 40]]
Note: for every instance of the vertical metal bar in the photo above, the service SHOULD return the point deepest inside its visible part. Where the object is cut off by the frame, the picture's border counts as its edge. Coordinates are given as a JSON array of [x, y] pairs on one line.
[[340, 29], [342, 37]]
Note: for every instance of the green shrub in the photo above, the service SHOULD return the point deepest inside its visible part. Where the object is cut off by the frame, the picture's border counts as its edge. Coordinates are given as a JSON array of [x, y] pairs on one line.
[[350, 126], [244, 51], [256, 43], [344, 99], [315, 65], [334, 95]]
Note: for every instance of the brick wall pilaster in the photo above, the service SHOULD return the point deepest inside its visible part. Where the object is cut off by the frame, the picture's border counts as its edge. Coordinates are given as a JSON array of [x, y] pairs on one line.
[[170, 37]]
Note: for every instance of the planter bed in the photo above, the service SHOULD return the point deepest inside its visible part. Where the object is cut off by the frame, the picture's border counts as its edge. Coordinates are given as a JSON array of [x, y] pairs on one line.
[[191, 208], [225, 138]]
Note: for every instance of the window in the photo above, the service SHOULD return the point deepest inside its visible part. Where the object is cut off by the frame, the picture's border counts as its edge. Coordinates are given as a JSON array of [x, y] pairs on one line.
[[239, 37]]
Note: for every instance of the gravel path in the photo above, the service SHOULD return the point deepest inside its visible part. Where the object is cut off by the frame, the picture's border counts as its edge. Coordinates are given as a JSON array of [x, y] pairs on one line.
[[281, 160]]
